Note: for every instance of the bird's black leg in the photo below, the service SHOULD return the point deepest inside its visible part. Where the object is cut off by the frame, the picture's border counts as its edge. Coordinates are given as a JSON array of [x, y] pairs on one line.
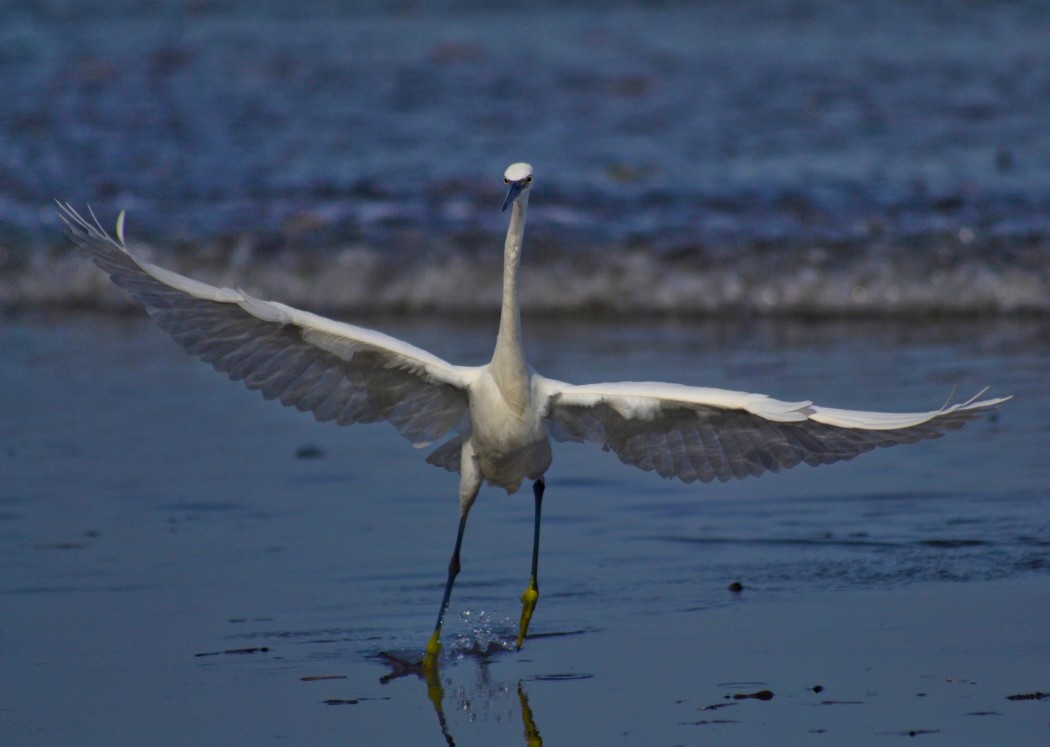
[[434, 644], [532, 593]]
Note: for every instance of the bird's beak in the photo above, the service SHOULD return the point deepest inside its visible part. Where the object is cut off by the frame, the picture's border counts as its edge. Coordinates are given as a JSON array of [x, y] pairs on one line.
[[512, 193]]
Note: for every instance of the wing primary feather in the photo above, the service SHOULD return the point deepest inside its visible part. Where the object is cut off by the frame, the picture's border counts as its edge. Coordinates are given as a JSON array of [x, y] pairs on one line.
[[334, 370], [711, 434]]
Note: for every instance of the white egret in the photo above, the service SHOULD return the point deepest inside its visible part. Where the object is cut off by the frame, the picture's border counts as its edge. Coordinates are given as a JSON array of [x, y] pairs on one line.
[[496, 421]]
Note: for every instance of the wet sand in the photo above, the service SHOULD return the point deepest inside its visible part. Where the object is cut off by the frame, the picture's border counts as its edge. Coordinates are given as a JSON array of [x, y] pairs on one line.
[[188, 564]]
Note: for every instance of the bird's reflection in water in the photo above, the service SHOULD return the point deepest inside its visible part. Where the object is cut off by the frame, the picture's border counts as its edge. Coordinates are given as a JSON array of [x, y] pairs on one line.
[[532, 734], [431, 675]]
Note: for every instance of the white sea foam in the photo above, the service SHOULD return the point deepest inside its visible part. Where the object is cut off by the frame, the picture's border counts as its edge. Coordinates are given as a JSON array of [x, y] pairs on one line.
[[839, 166], [610, 281]]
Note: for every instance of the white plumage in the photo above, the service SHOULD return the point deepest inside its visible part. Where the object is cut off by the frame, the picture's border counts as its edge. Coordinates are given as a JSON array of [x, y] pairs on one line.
[[495, 422]]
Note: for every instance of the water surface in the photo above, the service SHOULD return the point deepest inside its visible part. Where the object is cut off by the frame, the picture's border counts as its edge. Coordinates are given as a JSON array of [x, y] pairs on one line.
[[189, 563]]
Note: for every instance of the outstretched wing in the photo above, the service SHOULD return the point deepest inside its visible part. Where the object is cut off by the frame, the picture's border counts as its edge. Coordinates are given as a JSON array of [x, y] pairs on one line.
[[336, 371], [694, 433]]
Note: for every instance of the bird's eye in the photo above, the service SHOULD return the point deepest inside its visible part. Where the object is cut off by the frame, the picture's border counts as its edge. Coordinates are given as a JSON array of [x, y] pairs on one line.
[[528, 179], [506, 180]]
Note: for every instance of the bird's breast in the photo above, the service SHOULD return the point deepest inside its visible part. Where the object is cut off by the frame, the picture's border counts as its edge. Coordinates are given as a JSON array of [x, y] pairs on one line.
[[510, 438]]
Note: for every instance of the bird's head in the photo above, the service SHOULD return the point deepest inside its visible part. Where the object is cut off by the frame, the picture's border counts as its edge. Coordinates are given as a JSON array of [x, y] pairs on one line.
[[518, 177]]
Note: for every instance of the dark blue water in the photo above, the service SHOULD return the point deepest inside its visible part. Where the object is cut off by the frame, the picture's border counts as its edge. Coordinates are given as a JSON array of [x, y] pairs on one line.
[[802, 158], [187, 563]]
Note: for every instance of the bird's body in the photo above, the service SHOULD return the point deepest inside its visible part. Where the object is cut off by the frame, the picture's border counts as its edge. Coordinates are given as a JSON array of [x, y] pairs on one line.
[[495, 422], [509, 438]]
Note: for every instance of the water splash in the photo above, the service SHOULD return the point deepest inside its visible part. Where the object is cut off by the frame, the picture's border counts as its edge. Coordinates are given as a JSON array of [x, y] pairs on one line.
[[485, 635]]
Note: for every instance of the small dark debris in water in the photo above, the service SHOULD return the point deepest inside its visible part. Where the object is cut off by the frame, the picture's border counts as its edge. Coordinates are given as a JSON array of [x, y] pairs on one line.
[[561, 677], [309, 452], [348, 701], [319, 677], [1029, 696], [984, 713], [818, 731], [249, 619], [716, 706], [760, 695], [258, 650], [817, 688], [842, 702], [736, 587], [709, 722], [92, 533]]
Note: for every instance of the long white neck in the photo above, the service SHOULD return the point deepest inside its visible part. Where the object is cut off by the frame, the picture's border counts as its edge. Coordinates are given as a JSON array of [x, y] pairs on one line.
[[508, 361]]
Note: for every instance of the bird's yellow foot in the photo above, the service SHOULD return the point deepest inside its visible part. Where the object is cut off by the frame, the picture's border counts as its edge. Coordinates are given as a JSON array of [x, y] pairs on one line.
[[430, 658], [528, 604]]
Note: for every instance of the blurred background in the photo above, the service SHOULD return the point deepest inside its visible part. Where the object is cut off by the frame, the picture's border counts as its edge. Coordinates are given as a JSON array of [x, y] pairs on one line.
[[778, 158]]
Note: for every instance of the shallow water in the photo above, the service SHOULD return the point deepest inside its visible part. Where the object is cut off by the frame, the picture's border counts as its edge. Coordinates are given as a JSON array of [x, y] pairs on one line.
[[186, 563]]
